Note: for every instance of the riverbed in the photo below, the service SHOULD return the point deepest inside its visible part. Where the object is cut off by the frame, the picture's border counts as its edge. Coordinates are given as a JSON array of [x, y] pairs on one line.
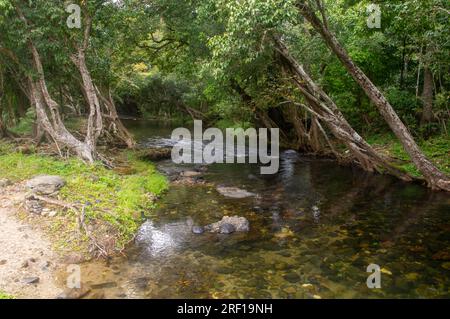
[[315, 227]]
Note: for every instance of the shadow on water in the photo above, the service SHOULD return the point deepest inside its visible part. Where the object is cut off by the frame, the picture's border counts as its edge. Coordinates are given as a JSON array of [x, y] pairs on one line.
[[315, 227]]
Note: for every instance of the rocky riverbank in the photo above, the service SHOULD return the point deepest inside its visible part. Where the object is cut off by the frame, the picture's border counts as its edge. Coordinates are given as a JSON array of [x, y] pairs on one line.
[[28, 262]]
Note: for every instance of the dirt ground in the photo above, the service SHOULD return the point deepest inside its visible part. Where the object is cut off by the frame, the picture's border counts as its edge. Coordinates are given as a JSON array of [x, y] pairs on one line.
[[27, 262]]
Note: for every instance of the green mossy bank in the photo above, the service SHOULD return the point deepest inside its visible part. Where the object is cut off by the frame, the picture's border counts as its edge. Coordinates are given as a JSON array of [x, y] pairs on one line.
[[5, 296], [113, 202], [436, 148]]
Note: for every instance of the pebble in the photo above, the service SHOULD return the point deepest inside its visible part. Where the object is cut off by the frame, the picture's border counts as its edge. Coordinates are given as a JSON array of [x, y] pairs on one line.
[[198, 230], [227, 229], [30, 280]]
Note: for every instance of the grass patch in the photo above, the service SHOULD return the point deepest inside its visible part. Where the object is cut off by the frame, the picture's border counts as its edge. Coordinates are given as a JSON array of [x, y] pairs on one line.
[[437, 149], [114, 201], [5, 295]]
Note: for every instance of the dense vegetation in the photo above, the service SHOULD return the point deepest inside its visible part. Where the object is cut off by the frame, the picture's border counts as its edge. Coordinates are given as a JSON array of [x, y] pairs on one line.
[[314, 69]]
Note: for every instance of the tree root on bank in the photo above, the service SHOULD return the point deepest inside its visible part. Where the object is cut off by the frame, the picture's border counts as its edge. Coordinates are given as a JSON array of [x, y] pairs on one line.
[[80, 211]]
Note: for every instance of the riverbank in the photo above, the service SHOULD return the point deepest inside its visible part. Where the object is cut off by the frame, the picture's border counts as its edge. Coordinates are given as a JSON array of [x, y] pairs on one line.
[[436, 148], [27, 262], [112, 201]]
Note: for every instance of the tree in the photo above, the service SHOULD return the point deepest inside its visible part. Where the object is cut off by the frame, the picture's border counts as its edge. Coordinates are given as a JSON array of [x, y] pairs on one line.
[[434, 177]]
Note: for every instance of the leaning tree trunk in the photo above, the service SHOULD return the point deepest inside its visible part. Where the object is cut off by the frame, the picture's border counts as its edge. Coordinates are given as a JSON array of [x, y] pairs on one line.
[[97, 119], [427, 96], [324, 108], [44, 104], [114, 124], [434, 177]]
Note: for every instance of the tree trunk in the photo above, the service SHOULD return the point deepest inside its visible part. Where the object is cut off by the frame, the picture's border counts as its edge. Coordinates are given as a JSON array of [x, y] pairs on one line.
[[115, 125], [57, 131], [291, 115], [93, 95], [427, 96], [326, 110], [95, 120], [434, 177]]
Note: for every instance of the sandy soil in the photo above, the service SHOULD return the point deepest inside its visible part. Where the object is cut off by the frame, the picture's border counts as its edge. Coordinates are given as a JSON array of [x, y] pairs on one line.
[[25, 252]]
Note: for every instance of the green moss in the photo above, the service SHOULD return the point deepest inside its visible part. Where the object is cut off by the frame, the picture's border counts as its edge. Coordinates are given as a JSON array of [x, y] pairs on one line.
[[5, 295], [25, 125], [108, 197], [436, 149]]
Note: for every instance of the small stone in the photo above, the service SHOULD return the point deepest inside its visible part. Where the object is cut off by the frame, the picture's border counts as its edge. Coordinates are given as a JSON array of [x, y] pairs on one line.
[[52, 213], [241, 224], [30, 280], [198, 229], [292, 277], [74, 293], [227, 229], [104, 285], [234, 192], [25, 264], [2, 262], [386, 271], [5, 182], [141, 283], [45, 265], [307, 286], [190, 174], [290, 290]]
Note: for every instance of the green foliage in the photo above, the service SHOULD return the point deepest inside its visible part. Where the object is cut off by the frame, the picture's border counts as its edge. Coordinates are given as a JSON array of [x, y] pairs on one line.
[[436, 148], [25, 125]]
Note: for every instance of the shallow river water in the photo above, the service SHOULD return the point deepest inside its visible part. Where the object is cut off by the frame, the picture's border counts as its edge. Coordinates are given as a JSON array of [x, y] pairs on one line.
[[314, 228]]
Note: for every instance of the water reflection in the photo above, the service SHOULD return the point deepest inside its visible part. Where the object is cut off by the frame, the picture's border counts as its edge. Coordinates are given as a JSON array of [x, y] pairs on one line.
[[315, 227]]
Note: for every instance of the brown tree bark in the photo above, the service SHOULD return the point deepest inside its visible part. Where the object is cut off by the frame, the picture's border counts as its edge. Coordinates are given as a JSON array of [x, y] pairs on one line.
[[324, 108], [114, 124], [97, 119], [434, 177], [44, 104]]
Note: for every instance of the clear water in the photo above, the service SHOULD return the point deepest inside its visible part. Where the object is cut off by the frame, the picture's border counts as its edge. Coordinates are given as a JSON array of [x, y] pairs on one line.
[[315, 227]]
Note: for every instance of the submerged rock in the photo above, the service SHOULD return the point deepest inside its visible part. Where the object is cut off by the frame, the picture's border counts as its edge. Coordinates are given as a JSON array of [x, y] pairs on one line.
[[191, 174], [45, 184], [198, 229], [224, 226], [226, 229], [234, 192], [156, 154]]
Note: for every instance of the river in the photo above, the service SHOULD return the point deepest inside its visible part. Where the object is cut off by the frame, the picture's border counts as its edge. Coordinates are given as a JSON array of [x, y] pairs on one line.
[[314, 228]]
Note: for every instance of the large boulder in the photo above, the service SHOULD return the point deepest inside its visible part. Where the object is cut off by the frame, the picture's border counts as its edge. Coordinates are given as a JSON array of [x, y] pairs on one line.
[[229, 224], [45, 184]]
